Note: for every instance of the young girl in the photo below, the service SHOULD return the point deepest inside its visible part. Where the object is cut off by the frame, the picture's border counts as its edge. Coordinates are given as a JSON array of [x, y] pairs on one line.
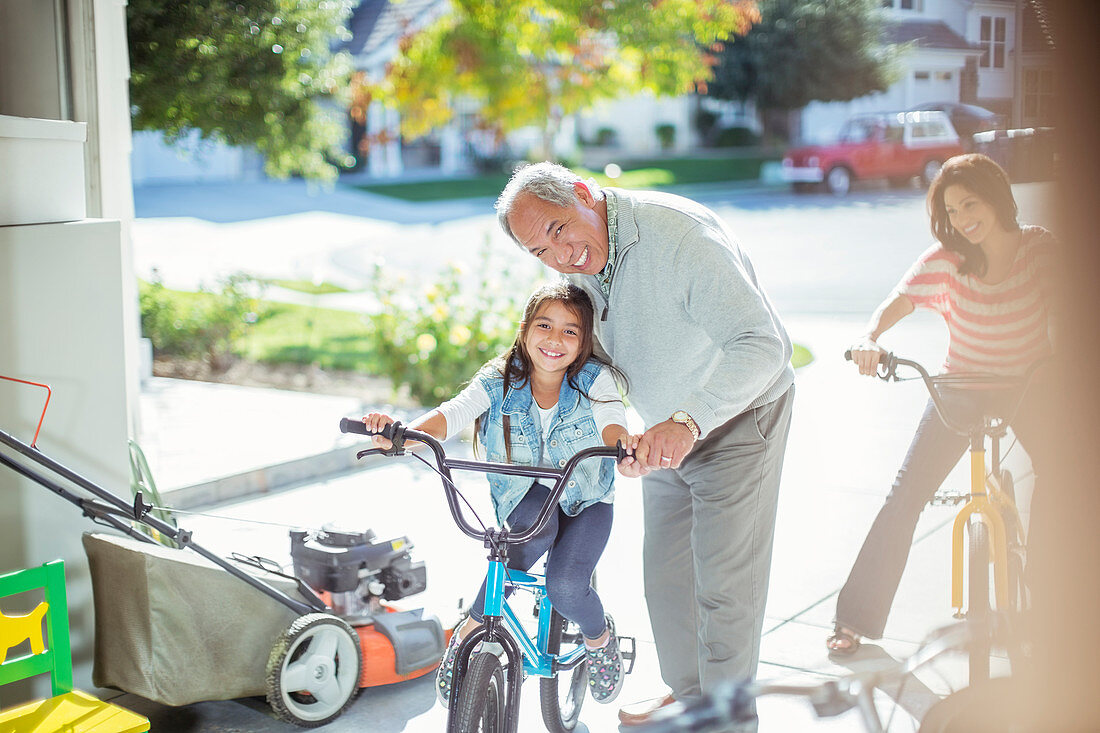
[[543, 400], [990, 278]]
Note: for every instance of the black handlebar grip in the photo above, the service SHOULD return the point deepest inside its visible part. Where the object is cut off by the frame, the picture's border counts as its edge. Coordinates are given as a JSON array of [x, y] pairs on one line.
[[848, 355], [350, 425], [621, 451], [347, 425]]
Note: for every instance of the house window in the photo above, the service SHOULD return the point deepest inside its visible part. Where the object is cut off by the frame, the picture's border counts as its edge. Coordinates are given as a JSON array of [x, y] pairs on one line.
[[1038, 95], [922, 75], [943, 76], [917, 5], [993, 41]]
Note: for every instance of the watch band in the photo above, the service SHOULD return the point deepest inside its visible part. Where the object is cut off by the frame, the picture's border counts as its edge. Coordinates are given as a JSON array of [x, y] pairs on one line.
[[687, 421]]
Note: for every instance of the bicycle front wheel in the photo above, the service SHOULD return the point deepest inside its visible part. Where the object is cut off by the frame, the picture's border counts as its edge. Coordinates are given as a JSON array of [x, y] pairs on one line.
[[562, 695], [978, 612], [481, 697]]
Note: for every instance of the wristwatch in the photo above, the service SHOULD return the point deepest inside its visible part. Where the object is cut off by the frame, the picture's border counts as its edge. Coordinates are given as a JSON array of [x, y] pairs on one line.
[[685, 419]]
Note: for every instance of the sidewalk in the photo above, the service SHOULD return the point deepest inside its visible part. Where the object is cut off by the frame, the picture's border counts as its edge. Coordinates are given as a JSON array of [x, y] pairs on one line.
[[847, 439]]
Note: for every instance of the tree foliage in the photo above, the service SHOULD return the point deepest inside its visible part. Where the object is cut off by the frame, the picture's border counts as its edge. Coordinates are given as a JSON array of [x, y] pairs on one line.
[[531, 62], [256, 73], [807, 50]]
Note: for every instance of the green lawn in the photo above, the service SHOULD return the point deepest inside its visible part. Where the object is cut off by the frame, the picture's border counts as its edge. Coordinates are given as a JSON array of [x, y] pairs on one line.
[[300, 334], [635, 174], [286, 333]]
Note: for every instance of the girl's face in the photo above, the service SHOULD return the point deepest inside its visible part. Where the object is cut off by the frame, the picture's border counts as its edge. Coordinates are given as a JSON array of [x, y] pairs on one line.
[[553, 338], [970, 214]]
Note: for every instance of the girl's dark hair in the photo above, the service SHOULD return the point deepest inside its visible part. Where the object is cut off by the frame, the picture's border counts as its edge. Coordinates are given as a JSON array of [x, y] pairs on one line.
[[988, 181], [514, 365]]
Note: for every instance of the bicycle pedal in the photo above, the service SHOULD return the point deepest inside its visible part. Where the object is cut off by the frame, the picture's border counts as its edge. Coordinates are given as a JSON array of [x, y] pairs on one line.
[[949, 498], [628, 654]]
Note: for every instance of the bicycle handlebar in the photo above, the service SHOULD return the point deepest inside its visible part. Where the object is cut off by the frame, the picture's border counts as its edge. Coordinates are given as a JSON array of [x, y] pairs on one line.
[[398, 434], [888, 367]]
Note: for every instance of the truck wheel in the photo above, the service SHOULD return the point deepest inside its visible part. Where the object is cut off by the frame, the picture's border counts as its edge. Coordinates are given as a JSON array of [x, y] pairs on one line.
[[929, 171], [838, 180]]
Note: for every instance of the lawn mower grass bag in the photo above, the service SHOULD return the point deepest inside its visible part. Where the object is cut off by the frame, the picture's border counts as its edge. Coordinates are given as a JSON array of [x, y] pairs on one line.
[[175, 628]]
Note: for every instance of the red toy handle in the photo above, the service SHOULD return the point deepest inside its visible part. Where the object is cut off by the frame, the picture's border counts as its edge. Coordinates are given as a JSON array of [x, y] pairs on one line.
[[49, 393]]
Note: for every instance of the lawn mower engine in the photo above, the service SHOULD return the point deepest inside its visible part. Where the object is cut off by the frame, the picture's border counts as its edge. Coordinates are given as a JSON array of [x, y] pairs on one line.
[[355, 573]]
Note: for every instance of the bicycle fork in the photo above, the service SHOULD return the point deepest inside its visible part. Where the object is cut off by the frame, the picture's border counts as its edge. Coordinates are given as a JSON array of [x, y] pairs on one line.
[[981, 504], [491, 631]]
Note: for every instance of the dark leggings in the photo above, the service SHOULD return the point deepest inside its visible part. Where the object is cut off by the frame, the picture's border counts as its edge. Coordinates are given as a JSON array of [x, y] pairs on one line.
[[575, 545], [865, 600]]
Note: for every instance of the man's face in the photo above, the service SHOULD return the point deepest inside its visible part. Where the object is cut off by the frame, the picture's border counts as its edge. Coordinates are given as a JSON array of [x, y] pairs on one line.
[[569, 239]]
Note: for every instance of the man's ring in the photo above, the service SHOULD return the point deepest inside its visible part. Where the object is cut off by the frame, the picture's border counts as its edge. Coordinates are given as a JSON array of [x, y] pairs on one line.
[[665, 459]]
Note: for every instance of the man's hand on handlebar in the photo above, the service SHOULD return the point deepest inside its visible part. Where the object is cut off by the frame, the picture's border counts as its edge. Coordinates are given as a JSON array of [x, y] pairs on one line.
[[866, 355]]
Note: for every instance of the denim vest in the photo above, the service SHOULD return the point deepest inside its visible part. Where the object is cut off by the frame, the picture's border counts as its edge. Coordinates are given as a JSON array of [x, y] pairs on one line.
[[573, 429]]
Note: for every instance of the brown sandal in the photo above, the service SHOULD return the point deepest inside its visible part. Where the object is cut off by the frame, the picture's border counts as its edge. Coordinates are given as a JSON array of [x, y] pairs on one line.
[[842, 642]]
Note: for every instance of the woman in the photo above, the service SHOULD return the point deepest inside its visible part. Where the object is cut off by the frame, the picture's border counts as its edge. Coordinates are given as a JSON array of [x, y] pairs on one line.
[[990, 279]]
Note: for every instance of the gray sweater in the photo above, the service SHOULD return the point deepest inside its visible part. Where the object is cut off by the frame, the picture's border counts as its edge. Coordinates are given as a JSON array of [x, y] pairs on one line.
[[687, 321]]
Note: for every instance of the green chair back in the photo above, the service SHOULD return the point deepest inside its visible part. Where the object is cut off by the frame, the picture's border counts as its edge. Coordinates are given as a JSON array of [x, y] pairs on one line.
[[57, 658]]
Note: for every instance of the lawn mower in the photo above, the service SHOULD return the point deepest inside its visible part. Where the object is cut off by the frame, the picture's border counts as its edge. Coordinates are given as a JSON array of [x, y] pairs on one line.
[[190, 631]]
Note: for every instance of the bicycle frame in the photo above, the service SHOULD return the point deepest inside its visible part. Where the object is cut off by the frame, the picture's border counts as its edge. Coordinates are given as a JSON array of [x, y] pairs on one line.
[[986, 494]]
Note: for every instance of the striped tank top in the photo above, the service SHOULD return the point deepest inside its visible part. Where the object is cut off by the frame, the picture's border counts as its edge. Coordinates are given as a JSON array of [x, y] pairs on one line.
[[1000, 328]]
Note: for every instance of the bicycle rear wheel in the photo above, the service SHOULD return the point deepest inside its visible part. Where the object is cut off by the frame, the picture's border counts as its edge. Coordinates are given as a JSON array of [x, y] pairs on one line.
[[978, 611], [481, 693], [562, 695]]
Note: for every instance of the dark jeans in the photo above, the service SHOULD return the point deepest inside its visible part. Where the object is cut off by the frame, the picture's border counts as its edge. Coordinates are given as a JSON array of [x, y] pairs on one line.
[[864, 601], [575, 545]]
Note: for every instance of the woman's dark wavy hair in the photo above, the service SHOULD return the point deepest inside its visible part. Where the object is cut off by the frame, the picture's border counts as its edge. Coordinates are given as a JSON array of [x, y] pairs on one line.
[[987, 180], [514, 365]]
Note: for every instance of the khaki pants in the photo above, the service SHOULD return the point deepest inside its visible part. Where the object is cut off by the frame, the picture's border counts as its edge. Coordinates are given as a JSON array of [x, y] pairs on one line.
[[709, 527]]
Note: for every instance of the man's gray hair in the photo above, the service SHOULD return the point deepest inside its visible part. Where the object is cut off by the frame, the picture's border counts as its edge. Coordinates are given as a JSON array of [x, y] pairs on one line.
[[550, 182]]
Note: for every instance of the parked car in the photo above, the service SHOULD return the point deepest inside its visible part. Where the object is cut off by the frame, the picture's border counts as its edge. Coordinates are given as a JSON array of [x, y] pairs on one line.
[[896, 146], [967, 119]]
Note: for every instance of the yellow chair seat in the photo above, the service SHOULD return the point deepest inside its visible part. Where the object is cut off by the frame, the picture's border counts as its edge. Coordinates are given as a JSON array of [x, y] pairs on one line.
[[73, 712]]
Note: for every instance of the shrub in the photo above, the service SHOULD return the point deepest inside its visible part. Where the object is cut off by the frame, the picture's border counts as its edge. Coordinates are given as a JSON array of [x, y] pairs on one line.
[[606, 136], [666, 135], [736, 137], [205, 325], [435, 343], [705, 120]]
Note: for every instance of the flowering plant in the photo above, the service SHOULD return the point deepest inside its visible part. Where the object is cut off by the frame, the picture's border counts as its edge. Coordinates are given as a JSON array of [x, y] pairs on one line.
[[433, 342]]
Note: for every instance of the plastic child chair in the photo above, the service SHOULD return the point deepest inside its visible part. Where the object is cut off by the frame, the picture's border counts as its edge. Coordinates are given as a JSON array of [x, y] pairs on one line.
[[68, 709]]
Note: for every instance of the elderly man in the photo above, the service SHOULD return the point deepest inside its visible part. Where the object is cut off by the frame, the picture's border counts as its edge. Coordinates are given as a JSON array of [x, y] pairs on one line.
[[680, 312]]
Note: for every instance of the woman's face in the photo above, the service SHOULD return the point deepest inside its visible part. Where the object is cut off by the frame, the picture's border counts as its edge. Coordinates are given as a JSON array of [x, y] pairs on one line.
[[553, 338], [969, 214]]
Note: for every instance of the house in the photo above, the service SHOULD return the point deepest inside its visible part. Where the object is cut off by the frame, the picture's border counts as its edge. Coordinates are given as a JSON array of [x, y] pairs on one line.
[[993, 53], [376, 28]]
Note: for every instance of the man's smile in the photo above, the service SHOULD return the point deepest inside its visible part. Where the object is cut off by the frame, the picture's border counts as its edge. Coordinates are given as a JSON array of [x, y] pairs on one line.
[[582, 260]]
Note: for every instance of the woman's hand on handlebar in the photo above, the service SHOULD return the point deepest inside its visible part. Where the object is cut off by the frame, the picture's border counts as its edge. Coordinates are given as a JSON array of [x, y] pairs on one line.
[[375, 421], [865, 355]]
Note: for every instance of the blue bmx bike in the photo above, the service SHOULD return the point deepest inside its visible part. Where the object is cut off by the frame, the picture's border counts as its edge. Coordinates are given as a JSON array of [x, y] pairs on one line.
[[492, 661]]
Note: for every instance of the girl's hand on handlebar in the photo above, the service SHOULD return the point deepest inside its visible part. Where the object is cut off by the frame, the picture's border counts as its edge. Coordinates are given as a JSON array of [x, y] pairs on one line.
[[375, 421], [866, 355], [631, 467]]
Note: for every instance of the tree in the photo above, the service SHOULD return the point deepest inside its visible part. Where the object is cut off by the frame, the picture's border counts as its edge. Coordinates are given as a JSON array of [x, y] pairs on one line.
[[803, 51], [256, 73], [533, 62]]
